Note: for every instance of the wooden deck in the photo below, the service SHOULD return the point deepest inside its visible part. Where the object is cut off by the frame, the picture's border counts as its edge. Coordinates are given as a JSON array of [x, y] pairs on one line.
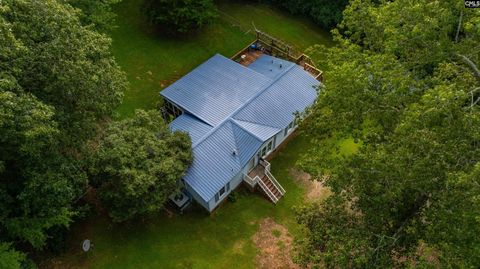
[[266, 44], [250, 57], [259, 171]]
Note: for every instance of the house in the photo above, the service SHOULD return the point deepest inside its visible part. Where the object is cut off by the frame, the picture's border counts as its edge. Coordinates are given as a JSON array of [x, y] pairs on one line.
[[237, 115]]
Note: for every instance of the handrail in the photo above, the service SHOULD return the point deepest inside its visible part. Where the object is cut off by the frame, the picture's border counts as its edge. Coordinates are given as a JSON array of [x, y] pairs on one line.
[[251, 181], [272, 178], [275, 182], [240, 52], [268, 191]]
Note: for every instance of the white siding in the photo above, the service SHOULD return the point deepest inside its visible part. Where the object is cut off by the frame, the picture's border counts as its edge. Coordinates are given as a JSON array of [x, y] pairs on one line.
[[197, 197]]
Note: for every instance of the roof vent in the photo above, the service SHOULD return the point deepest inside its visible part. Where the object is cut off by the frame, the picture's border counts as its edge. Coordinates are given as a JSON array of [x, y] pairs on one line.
[[281, 65], [235, 152]]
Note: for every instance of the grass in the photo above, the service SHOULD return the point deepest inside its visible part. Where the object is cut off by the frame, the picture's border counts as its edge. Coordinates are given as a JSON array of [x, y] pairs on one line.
[[152, 61], [194, 239]]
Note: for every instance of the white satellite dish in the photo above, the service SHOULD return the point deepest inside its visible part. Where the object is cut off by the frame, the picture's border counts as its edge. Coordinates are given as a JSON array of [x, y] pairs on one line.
[[86, 245]]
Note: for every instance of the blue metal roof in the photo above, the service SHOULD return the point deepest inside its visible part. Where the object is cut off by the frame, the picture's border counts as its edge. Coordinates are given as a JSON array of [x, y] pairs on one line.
[[275, 106], [214, 163], [270, 66], [247, 144], [262, 132], [245, 108], [194, 127], [215, 89]]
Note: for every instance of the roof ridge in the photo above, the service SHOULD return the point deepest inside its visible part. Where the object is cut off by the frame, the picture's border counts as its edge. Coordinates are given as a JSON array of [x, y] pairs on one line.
[[244, 104], [241, 127], [257, 123]]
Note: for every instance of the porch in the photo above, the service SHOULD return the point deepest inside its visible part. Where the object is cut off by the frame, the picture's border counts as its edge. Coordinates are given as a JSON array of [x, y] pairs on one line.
[[261, 176]]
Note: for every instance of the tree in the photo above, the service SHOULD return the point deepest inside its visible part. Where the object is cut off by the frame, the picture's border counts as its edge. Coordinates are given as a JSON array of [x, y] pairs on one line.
[[57, 80], [421, 34], [409, 197], [393, 195], [97, 13], [64, 64], [180, 16], [139, 164], [9, 258], [37, 183], [326, 13]]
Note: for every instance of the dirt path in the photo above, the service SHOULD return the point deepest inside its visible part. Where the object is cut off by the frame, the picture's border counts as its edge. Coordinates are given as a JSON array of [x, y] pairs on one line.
[[275, 245]]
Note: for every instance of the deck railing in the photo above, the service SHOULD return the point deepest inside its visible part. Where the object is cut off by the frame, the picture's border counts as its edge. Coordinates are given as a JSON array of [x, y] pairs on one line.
[[268, 191], [251, 181], [242, 51], [257, 180], [267, 166], [272, 46]]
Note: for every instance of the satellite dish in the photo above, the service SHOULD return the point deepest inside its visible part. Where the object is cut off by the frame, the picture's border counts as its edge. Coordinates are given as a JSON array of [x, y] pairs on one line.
[[86, 245]]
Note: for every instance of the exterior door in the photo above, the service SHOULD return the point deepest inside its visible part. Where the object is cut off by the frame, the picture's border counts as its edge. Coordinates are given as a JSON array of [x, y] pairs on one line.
[[252, 163]]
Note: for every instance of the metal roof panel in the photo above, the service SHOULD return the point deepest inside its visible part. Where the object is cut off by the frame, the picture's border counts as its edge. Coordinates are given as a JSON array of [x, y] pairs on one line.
[[191, 125], [215, 89]]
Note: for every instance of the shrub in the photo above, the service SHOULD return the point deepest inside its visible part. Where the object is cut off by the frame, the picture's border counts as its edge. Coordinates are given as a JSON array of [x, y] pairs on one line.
[[179, 16]]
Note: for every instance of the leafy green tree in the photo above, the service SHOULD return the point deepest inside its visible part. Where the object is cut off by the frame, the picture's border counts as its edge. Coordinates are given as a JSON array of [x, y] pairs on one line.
[[409, 197], [57, 80], [64, 65], [139, 164], [421, 34], [9, 258], [37, 183], [97, 13], [395, 194], [180, 16]]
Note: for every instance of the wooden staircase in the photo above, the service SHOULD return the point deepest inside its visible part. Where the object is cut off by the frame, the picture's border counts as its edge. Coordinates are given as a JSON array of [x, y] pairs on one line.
[[267, 183], [277, 193]]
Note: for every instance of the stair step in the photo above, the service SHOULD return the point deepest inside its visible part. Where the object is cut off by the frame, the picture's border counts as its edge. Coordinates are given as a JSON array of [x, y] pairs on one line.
[[271, 186]]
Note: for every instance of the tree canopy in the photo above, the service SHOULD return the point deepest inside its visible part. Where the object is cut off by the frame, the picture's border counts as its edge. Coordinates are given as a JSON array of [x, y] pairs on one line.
[[57, 81], [403, 84], [139, 164], [9, 258], [326, 13], [96, 13], [179, 16]]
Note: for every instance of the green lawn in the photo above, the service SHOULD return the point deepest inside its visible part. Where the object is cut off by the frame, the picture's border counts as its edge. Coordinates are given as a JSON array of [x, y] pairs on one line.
[[194, 239], [153, 61]]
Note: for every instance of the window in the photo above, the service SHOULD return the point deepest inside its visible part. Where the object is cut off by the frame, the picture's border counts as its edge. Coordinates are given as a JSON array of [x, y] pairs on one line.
[[289, 128], [269, 146], [222, 191]]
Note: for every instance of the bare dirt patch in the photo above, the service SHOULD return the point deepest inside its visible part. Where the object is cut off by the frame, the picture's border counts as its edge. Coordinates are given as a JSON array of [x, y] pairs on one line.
[[315, 189], [275, 245]]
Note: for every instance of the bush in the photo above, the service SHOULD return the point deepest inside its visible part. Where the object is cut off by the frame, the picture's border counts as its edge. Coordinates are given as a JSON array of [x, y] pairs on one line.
[[180, 16], [326, 13]]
